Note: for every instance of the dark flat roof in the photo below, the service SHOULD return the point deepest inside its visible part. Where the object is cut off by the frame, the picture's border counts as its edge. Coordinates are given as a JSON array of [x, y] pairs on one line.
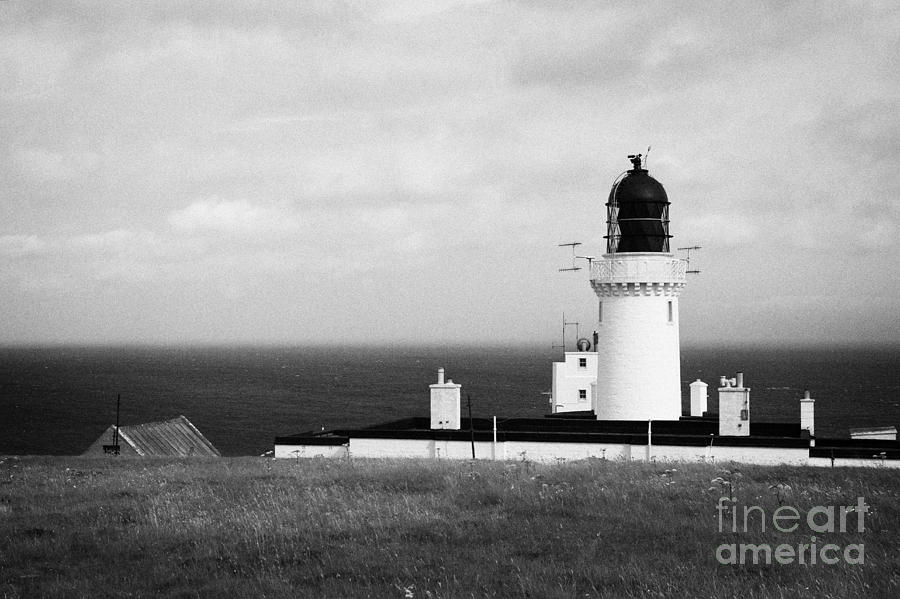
[[699, 432], [688, 432]]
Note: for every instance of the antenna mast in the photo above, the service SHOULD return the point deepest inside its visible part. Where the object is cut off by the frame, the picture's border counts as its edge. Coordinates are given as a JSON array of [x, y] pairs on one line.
[[565, 324], [573, 245], [687, 258], [114, 448]]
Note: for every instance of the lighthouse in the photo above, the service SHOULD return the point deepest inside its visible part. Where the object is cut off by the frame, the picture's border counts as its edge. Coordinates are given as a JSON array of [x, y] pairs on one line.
[[638, 281]]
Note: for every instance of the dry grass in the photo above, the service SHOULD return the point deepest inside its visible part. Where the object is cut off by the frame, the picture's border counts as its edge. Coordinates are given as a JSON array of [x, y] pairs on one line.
[[377, 528]]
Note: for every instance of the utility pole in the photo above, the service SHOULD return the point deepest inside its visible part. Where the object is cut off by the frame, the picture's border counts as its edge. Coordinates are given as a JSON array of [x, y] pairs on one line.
[[116, 441], [114, 448], [471, 424]]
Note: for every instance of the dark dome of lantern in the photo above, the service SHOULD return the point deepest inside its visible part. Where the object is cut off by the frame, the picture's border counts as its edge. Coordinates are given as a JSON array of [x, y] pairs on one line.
[[638, 213]]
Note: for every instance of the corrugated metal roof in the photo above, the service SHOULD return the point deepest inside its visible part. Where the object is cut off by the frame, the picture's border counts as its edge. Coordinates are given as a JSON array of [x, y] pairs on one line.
[[176, 437]]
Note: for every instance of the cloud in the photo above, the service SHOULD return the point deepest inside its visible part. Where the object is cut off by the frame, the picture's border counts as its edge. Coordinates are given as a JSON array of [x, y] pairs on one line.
[[173, 159], [45, 165], [66, 263], [236, 217], [14, 246], [723, 230], [32, 65], [118, 242]]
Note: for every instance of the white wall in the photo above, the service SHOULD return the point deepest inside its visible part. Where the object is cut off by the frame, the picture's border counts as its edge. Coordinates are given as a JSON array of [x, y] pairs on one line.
[[699, 397], [445, 405], [391, 448], [734, 411], [310, 451], [764, 456], [854, 463], [808, 414], [538, 451], [421, 448]]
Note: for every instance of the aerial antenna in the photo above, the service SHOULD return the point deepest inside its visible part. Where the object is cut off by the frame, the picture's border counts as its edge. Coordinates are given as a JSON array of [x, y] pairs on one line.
[[114, 448], [573, 245], [687, 258], [565, 324], [647, 158]]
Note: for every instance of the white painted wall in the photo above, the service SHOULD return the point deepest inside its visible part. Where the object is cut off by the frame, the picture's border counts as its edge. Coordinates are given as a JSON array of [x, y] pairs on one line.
[[423, 448], [569, 378], [639, 358], [462, 450], [764, 456], [808, 414], [734, 410], [392, 448], [853, 463], [445, 403], [310, 451], [537, 451]]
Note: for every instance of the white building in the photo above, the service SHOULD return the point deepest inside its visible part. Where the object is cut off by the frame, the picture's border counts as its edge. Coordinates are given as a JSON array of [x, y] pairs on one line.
[[574, 382]]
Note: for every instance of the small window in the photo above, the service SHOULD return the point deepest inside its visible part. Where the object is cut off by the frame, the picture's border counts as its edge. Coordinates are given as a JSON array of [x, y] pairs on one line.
[[670, 311], [582, 395], [582, 362], [600, 313], [744, 415]]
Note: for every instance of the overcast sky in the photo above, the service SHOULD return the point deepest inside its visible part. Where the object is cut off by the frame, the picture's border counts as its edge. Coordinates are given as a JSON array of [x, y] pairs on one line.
[[179, 172]]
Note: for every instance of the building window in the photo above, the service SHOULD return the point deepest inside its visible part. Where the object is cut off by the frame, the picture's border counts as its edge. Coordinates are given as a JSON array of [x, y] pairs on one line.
[[600, 313], [671, 314], [582, 395], [582, 362], [745, 414]]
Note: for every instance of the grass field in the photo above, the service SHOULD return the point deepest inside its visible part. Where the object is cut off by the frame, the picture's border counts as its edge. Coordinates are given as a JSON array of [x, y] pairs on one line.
[[255, 527]]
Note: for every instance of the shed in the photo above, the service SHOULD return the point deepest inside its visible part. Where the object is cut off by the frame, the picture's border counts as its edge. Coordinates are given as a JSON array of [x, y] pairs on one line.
[[172, 438]]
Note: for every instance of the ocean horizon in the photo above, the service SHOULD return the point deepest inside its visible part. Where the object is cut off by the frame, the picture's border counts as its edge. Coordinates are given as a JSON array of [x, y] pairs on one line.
[[57, 399]]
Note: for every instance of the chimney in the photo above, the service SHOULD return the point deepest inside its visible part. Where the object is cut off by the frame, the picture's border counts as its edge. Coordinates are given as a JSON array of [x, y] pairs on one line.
[[699, 397], [807, 414]]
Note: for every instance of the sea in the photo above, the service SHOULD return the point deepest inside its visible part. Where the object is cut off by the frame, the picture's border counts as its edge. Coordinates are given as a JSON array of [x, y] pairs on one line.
[[58, 400]]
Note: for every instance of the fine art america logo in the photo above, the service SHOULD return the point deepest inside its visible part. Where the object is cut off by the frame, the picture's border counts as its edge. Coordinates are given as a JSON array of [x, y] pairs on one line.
[[819, 520]]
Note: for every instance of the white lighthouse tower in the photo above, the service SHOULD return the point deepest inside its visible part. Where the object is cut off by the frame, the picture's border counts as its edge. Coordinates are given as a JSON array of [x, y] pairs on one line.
[[638, 282]]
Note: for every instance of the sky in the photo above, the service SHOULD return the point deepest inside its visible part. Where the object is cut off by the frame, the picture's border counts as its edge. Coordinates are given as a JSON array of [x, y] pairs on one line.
[[403, 172]]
